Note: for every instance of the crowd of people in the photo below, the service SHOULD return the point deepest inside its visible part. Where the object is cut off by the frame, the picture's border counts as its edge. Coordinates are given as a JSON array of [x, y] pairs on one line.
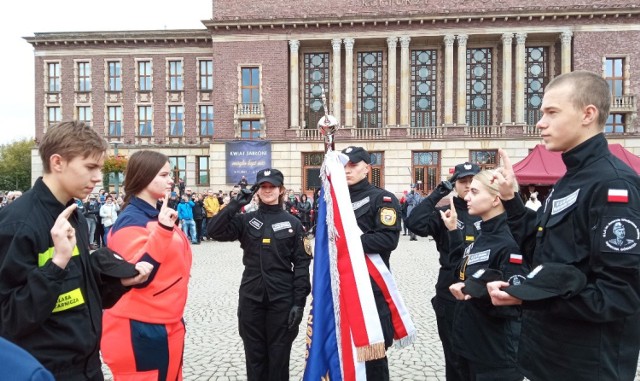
[[546, 291]]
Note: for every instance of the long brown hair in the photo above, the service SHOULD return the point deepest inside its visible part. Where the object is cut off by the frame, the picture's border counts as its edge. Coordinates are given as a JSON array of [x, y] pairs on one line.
[[142, 168]]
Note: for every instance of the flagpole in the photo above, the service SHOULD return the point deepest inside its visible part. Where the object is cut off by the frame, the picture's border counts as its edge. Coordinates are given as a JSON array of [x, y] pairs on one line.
[[328, 125]]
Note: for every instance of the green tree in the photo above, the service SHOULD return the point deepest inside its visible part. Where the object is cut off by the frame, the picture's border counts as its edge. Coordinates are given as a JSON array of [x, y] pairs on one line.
[[15, 165]]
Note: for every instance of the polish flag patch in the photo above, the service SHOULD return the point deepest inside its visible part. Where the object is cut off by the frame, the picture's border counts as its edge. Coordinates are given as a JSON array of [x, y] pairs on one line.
[[618, 195], [386, 199], [515, 258]]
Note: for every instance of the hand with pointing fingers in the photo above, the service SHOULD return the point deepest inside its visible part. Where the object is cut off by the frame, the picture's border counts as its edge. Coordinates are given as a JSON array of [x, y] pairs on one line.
[[64, 237], [167, 216], [450, 217], [505, 176]]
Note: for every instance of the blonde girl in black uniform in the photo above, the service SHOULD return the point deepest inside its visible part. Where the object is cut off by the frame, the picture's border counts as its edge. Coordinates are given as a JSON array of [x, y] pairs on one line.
[[484, 335]]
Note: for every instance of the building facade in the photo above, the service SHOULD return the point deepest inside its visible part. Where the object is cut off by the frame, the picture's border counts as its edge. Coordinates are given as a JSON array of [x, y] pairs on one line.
[[422, 84]]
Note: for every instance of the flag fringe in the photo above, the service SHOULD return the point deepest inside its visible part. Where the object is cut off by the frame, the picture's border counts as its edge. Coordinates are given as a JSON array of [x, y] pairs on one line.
[[371, 352], [406, 341]]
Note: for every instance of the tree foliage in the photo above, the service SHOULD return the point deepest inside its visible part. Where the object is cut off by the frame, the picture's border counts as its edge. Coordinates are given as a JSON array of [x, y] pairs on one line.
[[15, 165]]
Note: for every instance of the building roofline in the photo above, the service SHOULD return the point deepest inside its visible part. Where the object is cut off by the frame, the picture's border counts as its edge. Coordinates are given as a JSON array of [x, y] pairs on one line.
[[516, 13], [115, 37]]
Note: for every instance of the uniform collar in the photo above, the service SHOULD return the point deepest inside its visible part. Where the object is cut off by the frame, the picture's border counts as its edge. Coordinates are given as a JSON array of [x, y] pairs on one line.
[[493, 224], [144, 206], [49, 200], [270, 208], [360, 186], [585, 153], [459, 203]]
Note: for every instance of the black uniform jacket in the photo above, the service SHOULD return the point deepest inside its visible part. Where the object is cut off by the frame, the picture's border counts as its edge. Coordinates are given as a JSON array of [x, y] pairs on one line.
[[482, 332], [594, 335], [378, 214], [425, 221], [54, 314], [274, 257]]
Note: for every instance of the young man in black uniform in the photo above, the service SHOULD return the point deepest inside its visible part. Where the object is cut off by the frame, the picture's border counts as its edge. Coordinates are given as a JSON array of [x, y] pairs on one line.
[[51, 292], [425, 221], [378, 215], [275, 282], [594, 334]]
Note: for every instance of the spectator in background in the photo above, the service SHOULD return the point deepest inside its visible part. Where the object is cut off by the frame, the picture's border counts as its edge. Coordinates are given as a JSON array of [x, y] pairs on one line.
[[243, 182], [181, 187], [412, 199], [304, 207], [185, 215], [212, 207], [109, 214], [199, 215], [291, 204], [91, 213], [533, 203]]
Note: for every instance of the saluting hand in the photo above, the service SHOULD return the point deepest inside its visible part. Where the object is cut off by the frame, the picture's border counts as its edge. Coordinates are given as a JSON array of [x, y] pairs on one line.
[[64, 237], [505, 176], [450, 217], [167, 216]]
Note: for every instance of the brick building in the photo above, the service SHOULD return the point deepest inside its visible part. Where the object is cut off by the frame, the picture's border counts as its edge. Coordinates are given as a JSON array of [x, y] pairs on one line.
[[422, 84]]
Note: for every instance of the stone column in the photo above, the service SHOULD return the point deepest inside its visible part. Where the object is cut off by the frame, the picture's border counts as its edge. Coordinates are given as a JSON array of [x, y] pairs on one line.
[[448, 78], [348, 82], [520, 76], [565, 38], [405, 74], [507, 38], [335, 96], [294, 85], [392, 43], [462, 79]]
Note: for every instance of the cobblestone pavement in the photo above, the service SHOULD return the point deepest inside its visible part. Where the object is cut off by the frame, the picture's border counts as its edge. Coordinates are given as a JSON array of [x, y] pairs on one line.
[[214, 351]]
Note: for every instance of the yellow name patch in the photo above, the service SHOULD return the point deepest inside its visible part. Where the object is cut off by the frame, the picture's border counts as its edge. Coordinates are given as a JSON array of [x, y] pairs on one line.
[[469, 238], [388, 216], [48, 254], [69, 300], [266, 241]]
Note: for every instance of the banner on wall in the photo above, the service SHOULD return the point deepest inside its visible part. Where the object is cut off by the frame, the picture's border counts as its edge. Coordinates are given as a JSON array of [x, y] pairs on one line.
[[245, 158]]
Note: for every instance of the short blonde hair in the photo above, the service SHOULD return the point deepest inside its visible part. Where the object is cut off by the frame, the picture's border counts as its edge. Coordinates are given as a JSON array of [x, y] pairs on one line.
[[485, 177]]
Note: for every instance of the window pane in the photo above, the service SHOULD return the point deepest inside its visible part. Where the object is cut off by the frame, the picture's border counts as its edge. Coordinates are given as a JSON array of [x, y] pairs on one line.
[[178, 167], [423, 88], [316, 78], [369, 89], [479, 86], [206, 120], [176, 120], [115, 121], [537, 77]]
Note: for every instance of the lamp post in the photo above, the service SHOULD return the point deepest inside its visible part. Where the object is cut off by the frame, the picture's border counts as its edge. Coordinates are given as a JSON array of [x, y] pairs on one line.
[[116, 143]]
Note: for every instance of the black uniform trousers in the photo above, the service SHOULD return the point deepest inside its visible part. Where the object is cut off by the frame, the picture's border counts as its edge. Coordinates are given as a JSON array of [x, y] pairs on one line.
[[267, 341], [457, 368]]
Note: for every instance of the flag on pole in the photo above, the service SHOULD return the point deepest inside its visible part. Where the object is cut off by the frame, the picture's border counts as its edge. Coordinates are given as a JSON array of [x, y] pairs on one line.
[[343, 328]]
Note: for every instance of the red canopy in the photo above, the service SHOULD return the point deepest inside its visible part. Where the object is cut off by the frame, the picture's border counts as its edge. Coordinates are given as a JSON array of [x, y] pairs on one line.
[[545, 168]]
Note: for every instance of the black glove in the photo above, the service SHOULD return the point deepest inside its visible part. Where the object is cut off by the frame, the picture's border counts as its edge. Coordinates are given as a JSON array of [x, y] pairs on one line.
[[295, 317], [443, 189], [245, 195]]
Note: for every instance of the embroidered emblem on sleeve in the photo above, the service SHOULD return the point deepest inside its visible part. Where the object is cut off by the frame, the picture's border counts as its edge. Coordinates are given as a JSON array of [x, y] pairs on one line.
[[388, 216], [621, 234]]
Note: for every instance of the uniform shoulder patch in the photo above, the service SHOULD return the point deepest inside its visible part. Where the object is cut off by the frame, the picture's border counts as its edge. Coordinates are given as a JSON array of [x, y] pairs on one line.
[[620, 235], [388, 216], [386, 198]]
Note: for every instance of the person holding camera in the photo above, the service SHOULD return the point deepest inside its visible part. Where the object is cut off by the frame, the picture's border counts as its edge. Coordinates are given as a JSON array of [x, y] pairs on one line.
[[425, 221], [275, 282]]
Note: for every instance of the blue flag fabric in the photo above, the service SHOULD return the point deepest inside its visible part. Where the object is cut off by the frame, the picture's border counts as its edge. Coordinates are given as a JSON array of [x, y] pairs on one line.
[[322, 346]]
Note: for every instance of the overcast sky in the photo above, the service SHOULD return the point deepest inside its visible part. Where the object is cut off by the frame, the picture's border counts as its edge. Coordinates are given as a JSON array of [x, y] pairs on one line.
[[26, 17]]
